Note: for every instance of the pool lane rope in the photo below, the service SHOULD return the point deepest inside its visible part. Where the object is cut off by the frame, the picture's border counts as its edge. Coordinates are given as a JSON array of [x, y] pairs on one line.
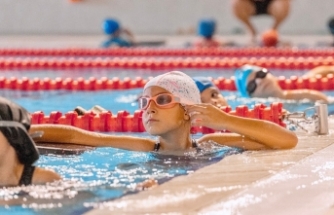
[[123, 121], [71, 63], [182, 52], [104, 83]]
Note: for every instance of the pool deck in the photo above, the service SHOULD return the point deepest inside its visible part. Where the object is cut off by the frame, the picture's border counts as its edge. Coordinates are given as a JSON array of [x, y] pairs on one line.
[[94, 41], [296, 181]]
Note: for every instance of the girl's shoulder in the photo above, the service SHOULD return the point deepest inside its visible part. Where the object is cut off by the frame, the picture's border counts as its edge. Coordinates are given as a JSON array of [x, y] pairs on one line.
[[42, 176]]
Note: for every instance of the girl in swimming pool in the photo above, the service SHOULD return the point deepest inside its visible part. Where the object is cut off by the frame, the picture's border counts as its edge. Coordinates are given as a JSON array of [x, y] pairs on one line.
[[171, 105], [209, 91], [17, 150]]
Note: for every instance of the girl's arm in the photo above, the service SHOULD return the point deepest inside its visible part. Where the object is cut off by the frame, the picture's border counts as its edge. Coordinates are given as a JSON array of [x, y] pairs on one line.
[[73, 135], [319, 70], [313, 95], [252, 133]]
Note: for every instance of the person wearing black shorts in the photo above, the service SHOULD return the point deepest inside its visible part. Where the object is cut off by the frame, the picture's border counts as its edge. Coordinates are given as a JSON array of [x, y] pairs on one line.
[[245, 9]]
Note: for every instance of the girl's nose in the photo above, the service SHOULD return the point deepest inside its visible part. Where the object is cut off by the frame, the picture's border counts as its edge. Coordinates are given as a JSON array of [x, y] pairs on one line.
[[151, 108]]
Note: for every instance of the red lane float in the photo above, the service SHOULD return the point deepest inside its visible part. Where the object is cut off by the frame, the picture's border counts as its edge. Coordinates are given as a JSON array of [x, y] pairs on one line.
[[284, 63], [79, 84], [94, 84], [123, 121], [218, 52]]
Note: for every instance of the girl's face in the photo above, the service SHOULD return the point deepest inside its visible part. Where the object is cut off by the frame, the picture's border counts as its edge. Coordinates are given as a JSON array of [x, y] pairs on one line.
[[213, 96], [265, 87], [159, 120]]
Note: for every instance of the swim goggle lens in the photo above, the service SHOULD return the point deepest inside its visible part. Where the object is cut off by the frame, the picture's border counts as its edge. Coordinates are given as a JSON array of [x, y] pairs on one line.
[[161, 100], [261, 74]]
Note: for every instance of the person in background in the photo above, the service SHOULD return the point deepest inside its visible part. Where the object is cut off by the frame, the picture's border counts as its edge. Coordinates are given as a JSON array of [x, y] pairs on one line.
[[117, 35], [254, 81], [269, 88], [171, 106], [209, 91], [18, 151], [206, 30], [244, 10], [331, 27]]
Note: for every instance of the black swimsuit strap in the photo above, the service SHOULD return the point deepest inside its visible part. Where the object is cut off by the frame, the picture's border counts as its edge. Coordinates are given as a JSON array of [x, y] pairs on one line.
[[26, 177], [157, 145], [194, 143]]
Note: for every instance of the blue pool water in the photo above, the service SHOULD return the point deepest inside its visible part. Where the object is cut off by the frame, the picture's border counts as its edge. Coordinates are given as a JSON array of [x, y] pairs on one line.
[[102, 174]]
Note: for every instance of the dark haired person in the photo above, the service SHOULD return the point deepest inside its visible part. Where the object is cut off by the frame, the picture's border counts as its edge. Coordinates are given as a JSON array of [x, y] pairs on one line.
[[18, 151]]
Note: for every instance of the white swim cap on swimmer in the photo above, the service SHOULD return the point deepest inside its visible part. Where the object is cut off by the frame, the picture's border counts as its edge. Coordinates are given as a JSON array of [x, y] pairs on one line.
[[179, 84]]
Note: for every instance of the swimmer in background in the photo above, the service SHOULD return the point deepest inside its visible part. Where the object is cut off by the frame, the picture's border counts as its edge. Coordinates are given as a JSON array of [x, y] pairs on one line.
[[254, 81], [18, 151], [264, 86], [171, 106], [117, 35], [244, 10], [209, 92], [206, 30]]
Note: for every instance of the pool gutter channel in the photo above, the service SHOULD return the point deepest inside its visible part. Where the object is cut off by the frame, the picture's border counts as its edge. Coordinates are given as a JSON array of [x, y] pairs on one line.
[[218, 182]]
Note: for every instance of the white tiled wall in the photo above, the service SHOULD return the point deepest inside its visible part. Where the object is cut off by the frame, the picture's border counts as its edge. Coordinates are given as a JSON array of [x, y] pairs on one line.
[[148, 16]]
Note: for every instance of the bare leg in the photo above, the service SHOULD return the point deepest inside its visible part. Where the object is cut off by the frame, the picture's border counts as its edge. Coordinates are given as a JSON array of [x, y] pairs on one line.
[[279, 10], [243, 10]]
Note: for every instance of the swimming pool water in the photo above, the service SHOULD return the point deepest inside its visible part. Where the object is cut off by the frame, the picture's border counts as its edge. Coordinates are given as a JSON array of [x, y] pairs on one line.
[[103, 174]]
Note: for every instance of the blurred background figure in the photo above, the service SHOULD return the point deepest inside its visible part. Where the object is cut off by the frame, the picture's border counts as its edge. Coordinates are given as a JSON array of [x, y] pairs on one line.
[[277, 9], [117, 35], [209, 91], [331, 28], [255, 81], [206, 30]]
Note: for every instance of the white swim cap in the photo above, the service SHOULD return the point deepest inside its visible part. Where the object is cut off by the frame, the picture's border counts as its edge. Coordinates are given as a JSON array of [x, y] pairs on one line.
[[178, 84]]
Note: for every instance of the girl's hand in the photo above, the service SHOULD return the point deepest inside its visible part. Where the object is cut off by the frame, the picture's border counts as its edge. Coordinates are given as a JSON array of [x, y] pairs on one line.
[[207, 115], [147, 184]]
